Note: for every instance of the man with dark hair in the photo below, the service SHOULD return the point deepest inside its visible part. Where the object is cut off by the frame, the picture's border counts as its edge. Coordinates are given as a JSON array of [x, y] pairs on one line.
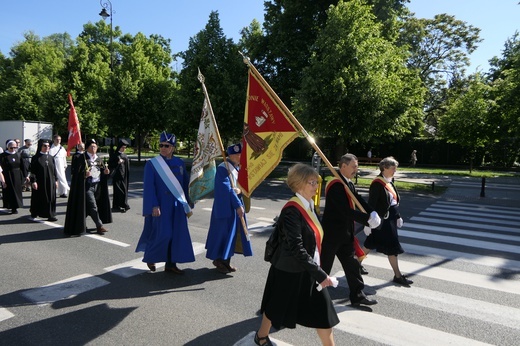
[[89, 193], [338, 227]]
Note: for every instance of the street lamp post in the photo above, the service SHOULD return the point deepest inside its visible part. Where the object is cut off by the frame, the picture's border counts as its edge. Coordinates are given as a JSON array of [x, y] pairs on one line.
[[106, 4]]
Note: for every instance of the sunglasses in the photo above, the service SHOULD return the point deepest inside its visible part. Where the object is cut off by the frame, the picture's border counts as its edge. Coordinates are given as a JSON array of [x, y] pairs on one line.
[[164, 145], [45, 145], [13, 147]]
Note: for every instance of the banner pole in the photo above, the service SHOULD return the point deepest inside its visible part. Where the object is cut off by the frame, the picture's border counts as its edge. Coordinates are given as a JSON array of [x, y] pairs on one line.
[[300, 127], [200, 76]]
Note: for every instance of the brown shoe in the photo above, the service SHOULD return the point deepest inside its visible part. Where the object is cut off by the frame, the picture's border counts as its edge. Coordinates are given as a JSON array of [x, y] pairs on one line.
[[101, 230], [151, 266], [221, 266], [174, 270]]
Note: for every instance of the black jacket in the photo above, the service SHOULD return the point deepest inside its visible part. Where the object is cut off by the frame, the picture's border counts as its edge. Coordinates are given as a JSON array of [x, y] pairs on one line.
[[297, 245], [379, 198], [338, 216]]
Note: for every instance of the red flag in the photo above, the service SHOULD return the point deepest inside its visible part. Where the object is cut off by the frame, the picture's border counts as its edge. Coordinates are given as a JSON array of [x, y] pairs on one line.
[[74, 132], [267, 131]]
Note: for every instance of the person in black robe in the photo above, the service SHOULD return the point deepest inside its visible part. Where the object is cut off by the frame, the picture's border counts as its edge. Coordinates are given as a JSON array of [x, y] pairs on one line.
[[88, 196], [43, 182], [14, 173], [120, 168]]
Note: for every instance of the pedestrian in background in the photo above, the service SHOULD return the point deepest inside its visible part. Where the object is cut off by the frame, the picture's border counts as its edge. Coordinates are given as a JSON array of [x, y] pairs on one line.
[[226, 234], [60, 158], [413, 158], [15, 175], [26, 153], [166, 208], [384, 198], [291, 296], [43, 182], [119, 166]]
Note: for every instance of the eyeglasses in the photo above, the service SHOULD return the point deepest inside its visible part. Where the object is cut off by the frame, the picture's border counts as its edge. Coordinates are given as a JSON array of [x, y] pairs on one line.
[[13, 147], [313, 183], [164, 145]]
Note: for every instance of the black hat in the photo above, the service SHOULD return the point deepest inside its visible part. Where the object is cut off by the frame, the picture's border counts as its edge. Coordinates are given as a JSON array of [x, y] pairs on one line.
[[41, 142], [90, 142]]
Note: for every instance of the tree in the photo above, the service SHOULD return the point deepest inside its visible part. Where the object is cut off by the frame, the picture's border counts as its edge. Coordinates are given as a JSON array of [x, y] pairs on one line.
[[32, 81], [467, 120], [357, 86], [225, 75], [505, 78], [439, 50]]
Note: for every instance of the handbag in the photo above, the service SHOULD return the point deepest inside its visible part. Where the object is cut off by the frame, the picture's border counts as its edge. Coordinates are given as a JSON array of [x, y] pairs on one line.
[[272, 244]]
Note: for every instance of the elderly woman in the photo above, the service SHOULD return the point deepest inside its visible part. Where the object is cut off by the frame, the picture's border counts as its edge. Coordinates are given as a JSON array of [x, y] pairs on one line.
[[14, 176], [383, 197], [291, 296]]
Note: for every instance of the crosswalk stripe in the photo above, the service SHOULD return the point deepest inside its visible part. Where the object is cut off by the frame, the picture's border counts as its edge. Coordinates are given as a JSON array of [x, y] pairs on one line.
[[464, 217], [260, 225], [482, 244], [475, 207], [456, 276], [495, 262], [390, 331], [67, 288], [440, 301], [5, 314], [462, 224], [494, 215], [460, 231]]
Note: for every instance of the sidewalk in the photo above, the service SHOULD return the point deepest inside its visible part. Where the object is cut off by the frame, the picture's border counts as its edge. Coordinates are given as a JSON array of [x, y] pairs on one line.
[[503, 191]]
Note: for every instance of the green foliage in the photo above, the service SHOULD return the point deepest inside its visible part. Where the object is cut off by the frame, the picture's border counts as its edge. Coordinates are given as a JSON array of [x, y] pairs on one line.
[[358, 80], [225, 78]]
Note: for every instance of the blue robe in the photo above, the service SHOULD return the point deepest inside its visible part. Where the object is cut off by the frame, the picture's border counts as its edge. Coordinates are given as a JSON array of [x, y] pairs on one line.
[[171, 228], [225, 223]]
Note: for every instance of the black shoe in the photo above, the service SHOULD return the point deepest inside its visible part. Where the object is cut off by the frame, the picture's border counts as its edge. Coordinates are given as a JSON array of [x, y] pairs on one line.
[[14, 211], [402, 281], [52, 219], [364, 301], [262, 341], [363, 270], [174, 270], [63, 196]]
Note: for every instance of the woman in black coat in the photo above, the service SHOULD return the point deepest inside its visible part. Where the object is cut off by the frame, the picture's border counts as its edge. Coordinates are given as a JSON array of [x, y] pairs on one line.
[[384, 198], [291, 295], [15, 175], [120, 168]]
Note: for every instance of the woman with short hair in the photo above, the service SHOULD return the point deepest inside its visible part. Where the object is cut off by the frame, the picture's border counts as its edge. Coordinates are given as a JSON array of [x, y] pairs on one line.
[[292, 295]]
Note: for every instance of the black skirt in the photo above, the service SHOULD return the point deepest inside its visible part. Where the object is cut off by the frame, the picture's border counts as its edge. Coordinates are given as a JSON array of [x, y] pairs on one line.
[[386, 239], [292, 298]]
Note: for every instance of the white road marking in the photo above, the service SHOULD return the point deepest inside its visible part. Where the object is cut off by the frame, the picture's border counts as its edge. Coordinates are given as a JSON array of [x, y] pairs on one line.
[[5, 314], [67, 288]]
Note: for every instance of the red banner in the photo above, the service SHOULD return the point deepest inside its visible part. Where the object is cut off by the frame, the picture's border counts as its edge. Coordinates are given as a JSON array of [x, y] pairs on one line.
[[74, 132], [267, 131]]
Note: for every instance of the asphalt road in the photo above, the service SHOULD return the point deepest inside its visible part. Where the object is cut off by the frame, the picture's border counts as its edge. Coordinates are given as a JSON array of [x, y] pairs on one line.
[[462, 252]]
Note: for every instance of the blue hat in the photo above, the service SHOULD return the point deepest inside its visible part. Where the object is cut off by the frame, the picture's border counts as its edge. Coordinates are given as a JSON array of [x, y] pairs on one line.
[[168, 137], [234, 149]]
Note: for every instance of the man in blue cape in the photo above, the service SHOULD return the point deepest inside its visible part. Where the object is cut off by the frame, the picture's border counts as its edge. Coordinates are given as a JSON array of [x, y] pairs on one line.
[[166, 208], [226, 234]]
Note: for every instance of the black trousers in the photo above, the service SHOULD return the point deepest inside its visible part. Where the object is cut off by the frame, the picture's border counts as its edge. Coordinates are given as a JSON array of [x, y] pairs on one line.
[[331, 248], [91, 205]]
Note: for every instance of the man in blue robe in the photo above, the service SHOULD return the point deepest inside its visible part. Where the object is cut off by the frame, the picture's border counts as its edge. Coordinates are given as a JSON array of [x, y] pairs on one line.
[[166, 207], [226, 234]]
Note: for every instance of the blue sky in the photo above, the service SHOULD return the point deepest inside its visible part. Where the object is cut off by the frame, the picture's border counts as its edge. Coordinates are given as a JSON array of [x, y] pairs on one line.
[[179, 20]]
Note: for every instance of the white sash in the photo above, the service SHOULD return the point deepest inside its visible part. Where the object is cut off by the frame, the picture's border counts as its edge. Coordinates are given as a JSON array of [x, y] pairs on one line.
[[171, 182]]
